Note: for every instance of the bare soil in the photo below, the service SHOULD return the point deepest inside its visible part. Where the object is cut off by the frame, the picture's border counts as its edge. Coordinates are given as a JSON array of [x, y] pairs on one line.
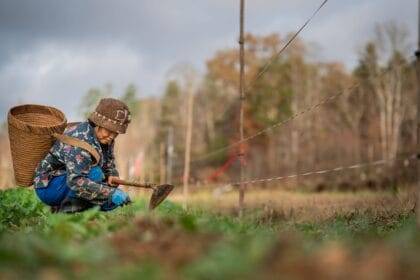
[[334, 261], [163, 241]]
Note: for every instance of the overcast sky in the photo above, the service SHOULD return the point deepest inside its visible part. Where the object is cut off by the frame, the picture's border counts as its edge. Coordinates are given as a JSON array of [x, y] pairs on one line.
[[53, 51]]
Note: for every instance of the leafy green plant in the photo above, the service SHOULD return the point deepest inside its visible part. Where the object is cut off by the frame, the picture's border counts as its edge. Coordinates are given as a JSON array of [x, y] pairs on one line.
[[35, 242], [19, 207]]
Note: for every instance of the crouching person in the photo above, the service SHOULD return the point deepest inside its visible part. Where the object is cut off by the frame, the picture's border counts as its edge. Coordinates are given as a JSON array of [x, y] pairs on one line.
[[69, 179]]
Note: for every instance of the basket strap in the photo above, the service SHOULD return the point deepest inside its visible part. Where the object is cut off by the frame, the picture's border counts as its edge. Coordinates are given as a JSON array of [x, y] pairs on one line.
[[78, 143]]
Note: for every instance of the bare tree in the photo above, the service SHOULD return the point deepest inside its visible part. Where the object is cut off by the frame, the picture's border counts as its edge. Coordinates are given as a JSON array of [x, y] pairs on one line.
[[391, 40]]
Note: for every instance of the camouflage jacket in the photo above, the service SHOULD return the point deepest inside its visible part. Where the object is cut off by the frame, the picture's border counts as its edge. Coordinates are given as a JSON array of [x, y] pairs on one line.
[[76, 163]]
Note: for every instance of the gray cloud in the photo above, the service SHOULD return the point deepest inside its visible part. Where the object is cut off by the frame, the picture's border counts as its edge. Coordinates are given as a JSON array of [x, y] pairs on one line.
[[53, 51]]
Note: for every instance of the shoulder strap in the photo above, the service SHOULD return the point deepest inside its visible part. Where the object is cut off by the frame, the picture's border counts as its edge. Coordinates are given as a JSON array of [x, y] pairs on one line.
[[78, 143]]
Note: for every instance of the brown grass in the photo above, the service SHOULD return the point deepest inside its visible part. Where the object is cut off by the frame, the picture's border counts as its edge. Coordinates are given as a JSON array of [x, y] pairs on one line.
[[305, 206]]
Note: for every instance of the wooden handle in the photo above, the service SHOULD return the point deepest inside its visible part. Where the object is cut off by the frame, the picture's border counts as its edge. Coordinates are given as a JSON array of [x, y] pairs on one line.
[[132, 184]]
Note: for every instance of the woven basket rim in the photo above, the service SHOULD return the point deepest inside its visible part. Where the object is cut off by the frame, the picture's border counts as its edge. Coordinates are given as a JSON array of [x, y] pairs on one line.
[[33, 128]]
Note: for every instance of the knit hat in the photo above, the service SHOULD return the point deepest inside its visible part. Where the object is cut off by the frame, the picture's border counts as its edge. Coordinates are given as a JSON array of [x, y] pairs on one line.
[[111, 114]]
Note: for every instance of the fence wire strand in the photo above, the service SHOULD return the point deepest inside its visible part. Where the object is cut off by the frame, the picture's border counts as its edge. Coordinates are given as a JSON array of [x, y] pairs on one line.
[[274, 57], [325, 171], [304, 111]]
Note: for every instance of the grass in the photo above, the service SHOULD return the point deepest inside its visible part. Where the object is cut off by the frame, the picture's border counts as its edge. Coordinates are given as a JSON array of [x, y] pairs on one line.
[[300, 206], [131, 243]]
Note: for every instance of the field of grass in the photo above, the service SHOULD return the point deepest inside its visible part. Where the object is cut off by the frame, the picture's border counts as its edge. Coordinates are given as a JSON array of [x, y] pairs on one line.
[[293, 236], [304, 206]]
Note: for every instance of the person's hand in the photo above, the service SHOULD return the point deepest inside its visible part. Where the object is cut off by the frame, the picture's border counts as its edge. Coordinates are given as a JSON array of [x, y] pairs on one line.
[[110, 181], [119, 197]]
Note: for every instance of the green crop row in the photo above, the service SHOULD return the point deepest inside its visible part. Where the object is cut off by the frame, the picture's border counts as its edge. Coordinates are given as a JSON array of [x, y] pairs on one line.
[[36, 243]]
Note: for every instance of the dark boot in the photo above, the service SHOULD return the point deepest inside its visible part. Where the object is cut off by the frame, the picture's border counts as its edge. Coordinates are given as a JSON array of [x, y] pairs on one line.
[[55, 209], [74, 205]]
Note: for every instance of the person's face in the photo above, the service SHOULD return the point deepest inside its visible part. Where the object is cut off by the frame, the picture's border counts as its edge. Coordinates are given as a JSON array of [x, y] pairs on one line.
[[104, 135]]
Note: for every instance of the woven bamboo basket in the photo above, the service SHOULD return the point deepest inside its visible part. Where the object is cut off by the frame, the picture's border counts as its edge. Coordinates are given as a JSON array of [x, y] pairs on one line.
[[30, 135]]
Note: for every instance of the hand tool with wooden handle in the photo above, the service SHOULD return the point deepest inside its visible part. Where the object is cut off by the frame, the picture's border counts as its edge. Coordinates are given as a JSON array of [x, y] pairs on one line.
[[118, 181], [160, 192]]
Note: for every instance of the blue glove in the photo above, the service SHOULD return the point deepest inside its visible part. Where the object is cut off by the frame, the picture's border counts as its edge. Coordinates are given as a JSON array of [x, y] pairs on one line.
[[119, 197]]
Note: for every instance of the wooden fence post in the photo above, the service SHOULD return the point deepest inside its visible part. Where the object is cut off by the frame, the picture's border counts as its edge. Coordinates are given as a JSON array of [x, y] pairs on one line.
[[242, 101]]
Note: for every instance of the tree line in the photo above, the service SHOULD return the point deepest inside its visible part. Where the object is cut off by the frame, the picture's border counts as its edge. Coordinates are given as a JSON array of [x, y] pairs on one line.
[[371, 117]]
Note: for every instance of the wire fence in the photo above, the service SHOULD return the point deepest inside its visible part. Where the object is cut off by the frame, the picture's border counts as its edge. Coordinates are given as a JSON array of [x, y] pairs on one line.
[[309, 109], [288, 43], [330, 170], [264, 69], [231, 186]]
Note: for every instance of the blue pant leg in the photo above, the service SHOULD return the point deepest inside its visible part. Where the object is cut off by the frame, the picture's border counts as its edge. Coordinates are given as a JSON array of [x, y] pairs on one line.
[[55, 192], [57, 189]]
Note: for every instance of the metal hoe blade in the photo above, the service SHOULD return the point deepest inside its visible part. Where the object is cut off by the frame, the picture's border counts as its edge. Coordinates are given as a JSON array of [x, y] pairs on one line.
[[159, 194]]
